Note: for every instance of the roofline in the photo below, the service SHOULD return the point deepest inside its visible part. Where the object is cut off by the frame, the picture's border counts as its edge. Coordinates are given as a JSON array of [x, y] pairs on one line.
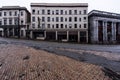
[[102, 12], [59, 5], [98, 13], [14, 8]]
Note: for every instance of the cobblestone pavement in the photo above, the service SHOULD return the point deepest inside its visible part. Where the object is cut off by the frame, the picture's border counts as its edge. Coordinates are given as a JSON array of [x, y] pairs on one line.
[[19, 62], [103, 55]]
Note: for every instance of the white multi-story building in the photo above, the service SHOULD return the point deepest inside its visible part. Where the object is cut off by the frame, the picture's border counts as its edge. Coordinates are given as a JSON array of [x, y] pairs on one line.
[[59, 21], [14, 20]]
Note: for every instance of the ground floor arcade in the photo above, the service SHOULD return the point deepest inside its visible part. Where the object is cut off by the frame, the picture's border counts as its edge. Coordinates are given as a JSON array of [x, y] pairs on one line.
[[12, 31], [64, 36]]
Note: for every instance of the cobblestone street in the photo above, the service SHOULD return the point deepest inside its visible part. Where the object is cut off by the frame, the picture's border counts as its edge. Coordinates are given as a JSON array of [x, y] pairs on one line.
[[28, 60]]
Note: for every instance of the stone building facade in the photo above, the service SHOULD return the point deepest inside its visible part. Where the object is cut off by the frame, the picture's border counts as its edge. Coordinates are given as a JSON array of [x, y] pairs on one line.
[[14, 21], [104, 27], [59, 21]]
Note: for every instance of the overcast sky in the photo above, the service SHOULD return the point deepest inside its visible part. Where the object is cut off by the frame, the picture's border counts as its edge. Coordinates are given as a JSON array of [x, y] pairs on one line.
[[104, 5]]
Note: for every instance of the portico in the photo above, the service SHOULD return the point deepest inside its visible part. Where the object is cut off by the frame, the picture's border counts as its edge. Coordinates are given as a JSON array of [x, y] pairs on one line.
[[104, 27], [106, 30]]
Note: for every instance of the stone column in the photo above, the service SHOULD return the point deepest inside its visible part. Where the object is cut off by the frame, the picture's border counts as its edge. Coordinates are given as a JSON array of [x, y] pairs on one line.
[[96, 30], [115, 31], [86, 36], [8, 32], [78, 36], [105, 29], [67, 35], [45, 34], [31, 34], [13, 32], [112, 31], [56, 33], [103, 25], [2, 33]]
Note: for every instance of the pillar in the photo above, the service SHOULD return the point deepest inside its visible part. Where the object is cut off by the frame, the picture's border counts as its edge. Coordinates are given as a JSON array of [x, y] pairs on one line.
[[56, 33], [103, 25], [3, 33], [45, 34], [113, 31], [96, 30], [86, 36], [67, 35], [78, 36], [31, 34], [105, 31], [13, 32], [8, 32]]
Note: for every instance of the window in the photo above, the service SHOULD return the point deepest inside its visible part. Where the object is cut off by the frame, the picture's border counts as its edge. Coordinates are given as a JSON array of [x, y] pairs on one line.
[[0, 13], [80, 26], [22, 22], [79, 19], [33, 11], [57, 25], [33, 25], [15, 14], [75, 19], [79, 12], [70, 19], [57, 19], [33, 19], [16, 21], [70, 25], [53, 12], [48, 12], [43, 11], [43, 26], [53, 26], [75, 11], [38, 12], [5, 13], [61, 12], [66, 26], [61, 19], [61, 25], [75, 25], [66, 12], [85, 25], [10, 13], [0, 22], [70, 12], [85, 12], [57, 12], [66, 19], [21, 13], [10, 21], [53, 19], [84, 18], [48, 19], [43, 19], [48, 25], [5, 21], [83, 33]]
